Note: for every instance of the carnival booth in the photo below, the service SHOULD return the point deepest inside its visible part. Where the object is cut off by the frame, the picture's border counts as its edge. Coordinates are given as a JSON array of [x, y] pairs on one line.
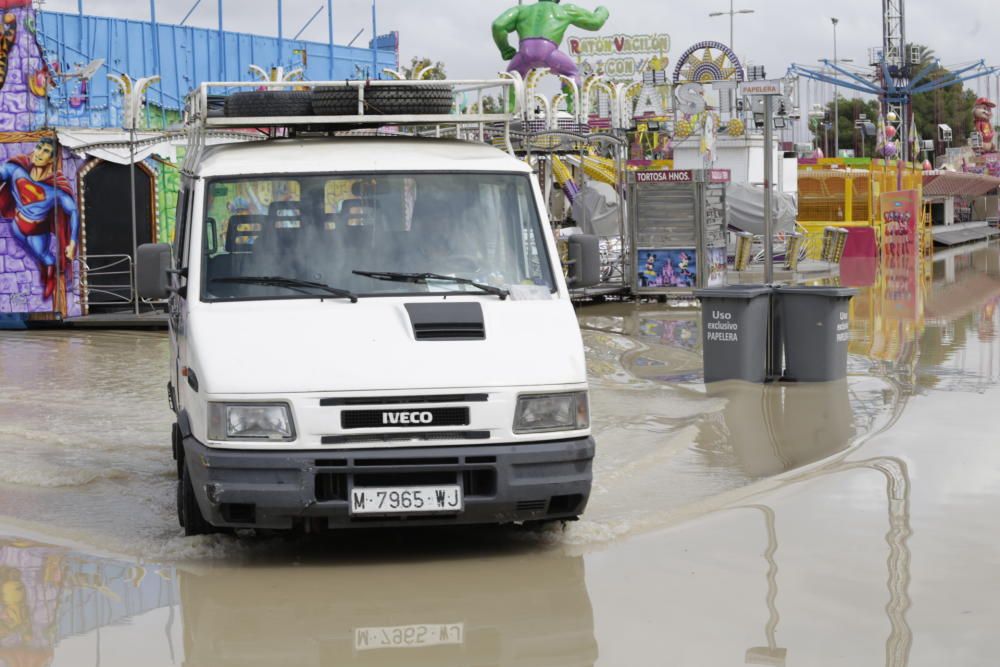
[[678, 230], [848, 193]]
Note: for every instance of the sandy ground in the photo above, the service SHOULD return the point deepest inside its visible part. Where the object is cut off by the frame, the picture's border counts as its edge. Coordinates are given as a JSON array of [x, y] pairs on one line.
[[844, 523]]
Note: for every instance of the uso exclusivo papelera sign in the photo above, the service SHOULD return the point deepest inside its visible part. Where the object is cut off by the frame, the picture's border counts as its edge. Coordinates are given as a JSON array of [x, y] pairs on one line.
[[682, 176]]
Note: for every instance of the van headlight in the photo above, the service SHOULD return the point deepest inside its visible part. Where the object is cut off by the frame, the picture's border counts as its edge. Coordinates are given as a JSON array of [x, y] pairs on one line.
[[552, 412], [250, 421]]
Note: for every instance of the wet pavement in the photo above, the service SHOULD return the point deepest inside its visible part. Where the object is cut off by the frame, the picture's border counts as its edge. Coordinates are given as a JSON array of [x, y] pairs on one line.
[[840, 523]]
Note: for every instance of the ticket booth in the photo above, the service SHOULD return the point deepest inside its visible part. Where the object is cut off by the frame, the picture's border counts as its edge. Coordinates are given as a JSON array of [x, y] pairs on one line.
[[678, 230]]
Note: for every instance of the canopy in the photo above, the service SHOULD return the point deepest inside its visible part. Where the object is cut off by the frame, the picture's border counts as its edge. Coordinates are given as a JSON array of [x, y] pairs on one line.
[[113, 145], [958, 184], [746, 209]]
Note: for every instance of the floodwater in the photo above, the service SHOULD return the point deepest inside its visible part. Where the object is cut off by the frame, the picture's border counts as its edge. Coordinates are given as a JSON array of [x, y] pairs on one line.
[[850, 523]]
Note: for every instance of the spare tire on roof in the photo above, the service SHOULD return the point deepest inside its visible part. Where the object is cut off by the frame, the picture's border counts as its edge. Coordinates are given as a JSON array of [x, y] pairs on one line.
[[387, 100], [339, 101], [269, 103]]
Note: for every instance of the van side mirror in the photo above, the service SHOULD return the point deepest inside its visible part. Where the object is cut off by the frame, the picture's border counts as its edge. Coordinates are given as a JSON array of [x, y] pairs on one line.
[[584, 261], [152, 268]]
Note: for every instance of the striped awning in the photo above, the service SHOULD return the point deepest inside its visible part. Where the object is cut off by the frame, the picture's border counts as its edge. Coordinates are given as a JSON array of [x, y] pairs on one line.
[[958, 184]]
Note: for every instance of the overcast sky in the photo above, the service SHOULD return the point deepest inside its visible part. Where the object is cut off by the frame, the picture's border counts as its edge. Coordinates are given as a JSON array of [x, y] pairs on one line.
[[457, 32]]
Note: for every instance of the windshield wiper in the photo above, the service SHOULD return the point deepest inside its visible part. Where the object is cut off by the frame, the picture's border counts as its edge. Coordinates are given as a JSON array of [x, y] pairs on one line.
[[422, 278], [288, 283]]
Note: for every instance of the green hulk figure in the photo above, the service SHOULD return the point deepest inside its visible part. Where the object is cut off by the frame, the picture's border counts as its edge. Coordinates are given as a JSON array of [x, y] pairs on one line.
[[541, 28]]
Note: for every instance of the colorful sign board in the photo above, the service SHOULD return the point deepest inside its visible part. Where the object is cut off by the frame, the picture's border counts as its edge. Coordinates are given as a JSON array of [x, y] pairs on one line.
[[612, 45], [620, 57], [901, 250], [668, 267], [900, 213]]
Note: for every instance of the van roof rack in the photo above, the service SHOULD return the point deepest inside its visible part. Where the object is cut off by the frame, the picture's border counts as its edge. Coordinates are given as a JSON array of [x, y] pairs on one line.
[[203, 115]]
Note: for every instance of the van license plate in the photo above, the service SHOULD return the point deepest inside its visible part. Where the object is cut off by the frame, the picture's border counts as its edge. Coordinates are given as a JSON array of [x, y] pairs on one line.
[[408, 636], [407, 500]]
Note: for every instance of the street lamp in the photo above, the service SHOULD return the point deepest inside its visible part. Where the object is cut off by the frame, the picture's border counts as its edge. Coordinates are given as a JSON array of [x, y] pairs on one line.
[[836, 94], [836, 91], [731, 13]]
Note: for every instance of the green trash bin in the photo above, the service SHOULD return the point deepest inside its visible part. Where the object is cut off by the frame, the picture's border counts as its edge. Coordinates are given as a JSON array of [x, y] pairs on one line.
[[815, 331], [734, 332]]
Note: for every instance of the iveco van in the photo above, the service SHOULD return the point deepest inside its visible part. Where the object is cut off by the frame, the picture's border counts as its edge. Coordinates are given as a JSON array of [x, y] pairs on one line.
[[369, 331]]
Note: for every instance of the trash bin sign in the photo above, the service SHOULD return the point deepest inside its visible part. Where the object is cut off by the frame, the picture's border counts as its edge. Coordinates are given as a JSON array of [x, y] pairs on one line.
[[734, 332], [816, 330]]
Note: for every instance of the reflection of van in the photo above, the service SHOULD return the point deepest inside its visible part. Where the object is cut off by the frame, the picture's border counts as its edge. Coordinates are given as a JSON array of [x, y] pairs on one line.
[[370, 330], [531, 610]]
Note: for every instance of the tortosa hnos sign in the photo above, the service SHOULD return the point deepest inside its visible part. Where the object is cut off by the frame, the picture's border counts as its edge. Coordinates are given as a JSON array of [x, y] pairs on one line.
[[664, 176]]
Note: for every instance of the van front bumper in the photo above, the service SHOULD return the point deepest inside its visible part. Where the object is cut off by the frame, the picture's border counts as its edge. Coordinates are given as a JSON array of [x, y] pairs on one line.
[[281, 490]]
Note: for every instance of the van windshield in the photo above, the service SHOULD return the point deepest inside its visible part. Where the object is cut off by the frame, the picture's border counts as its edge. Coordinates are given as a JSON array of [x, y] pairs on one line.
[[348, 232]]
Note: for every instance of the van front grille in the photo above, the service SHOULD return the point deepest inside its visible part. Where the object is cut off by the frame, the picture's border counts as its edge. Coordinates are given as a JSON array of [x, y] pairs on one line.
[[404, 437], [404, 418]]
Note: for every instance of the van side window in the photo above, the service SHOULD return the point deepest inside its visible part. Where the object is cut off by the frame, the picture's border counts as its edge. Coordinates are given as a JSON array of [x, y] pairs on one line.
[[180, 224]]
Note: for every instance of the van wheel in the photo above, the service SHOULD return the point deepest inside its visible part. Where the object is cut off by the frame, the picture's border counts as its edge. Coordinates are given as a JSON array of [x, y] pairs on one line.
[[269, 103], [188, 513]]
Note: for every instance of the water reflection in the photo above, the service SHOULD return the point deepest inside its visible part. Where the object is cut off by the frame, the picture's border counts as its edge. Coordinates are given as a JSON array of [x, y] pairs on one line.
[[778, 427], [477, 611], [897, 496], [50, 595]]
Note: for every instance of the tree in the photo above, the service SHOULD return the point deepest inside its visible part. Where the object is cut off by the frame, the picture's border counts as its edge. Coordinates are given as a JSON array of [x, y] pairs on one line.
[[851, 137], [437, 73]]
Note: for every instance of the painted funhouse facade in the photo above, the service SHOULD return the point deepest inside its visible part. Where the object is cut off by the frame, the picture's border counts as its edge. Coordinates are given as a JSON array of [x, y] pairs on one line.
[[66, 232]]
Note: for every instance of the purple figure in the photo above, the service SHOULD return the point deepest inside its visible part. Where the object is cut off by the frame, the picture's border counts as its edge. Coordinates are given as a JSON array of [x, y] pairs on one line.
[[541, 28]]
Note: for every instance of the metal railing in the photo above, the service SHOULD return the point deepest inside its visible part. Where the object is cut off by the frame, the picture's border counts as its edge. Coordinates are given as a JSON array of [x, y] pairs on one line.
[[115, 292]]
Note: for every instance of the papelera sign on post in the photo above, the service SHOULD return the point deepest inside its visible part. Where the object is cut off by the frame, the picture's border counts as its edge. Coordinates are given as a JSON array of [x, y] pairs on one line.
[[763, 87]]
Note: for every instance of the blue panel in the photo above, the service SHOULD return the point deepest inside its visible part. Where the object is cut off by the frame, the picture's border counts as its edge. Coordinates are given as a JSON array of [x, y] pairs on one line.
[[183, 56]]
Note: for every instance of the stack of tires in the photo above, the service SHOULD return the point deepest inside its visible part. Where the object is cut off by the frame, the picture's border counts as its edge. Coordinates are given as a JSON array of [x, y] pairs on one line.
[[342, 101]]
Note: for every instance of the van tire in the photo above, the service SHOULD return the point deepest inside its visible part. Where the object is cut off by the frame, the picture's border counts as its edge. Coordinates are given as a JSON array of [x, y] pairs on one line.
[[269, 103], [384, 100], [188, 513], [339, 101], [177, 446]]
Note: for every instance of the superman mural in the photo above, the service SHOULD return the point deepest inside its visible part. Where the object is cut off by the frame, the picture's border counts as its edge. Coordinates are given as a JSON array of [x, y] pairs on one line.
[[38, 202]]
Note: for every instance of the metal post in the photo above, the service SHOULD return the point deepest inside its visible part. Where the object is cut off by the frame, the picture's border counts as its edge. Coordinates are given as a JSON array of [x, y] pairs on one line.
[[374, 41], [222, 45], [281, 37], [774, 351], [836, 96], [131, 178], [329, 20], [83, 28], [768, 184], [732, 17], [156, 61]]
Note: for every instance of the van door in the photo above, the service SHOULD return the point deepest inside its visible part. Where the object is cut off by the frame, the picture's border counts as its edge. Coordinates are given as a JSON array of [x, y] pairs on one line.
[[179, 298]]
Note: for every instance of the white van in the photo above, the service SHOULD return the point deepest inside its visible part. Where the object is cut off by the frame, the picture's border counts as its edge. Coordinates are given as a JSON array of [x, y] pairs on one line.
[[369, 331]]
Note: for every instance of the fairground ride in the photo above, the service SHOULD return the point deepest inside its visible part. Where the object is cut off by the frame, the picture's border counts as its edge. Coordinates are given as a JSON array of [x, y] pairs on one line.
[[896, 79]]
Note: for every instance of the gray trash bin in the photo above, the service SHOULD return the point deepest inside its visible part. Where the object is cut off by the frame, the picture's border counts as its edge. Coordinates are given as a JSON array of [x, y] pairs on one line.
[[815, 330], [734, 332]]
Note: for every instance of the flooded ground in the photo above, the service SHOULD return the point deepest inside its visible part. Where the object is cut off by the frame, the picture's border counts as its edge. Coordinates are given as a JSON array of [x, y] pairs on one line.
[[843, 523]]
